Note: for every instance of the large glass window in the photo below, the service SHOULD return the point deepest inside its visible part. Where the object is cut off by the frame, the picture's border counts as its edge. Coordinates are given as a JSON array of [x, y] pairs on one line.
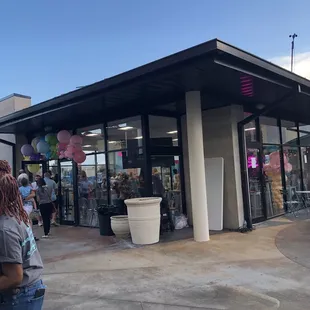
[[166, 180], [305, 162], [126, 160], [93, 139], [126, 176], [125, 133], [273, 180], [289, 132], [292, 168], [163, 131], [250, 130], [270, 133]]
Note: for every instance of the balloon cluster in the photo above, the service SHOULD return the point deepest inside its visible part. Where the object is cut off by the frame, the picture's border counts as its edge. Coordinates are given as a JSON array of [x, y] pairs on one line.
[[41, 148], [70, 146], [53, 146], [275, 163]]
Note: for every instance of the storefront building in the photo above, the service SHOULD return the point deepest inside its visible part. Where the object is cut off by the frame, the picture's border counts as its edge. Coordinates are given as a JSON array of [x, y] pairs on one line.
[[164, 119]]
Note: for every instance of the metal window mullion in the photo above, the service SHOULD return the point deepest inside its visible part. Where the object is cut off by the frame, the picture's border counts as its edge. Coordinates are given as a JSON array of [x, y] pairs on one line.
[[105, 133], [300, 159], [261, 168], [282, 164]]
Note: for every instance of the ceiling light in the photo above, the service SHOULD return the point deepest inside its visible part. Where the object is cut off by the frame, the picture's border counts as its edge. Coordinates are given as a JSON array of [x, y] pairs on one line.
[[139, 137], [92, 134], [87, 145], [249, 129], [125, 128], [172, 132], [111, 142], [175, 140]]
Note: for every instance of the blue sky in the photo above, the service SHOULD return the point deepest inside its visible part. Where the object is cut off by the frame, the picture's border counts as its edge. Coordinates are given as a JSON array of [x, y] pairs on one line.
[[51, 47]]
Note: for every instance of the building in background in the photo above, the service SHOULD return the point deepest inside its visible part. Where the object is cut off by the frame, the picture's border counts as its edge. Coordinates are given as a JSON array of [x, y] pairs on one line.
[[8, 105], [161, 122]]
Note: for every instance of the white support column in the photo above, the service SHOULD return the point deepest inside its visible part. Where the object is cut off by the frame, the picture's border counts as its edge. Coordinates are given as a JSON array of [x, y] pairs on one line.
[[197, 166]]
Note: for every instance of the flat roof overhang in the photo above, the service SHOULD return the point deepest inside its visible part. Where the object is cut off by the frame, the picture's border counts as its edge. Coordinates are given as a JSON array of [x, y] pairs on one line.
[[215, 67]]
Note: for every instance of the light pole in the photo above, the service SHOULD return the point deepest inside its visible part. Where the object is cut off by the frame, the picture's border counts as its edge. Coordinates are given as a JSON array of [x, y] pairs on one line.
[[293, 36]]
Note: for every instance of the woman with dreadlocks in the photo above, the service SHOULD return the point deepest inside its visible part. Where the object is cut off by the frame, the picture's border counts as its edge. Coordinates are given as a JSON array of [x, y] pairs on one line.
[[21, 267]]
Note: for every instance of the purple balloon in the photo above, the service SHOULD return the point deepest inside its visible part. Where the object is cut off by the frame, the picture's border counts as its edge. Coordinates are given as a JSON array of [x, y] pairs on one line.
[[35, 157], [27, 150]]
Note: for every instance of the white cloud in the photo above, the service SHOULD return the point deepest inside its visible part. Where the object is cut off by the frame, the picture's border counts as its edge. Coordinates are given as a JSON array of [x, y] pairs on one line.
[[301, 63]]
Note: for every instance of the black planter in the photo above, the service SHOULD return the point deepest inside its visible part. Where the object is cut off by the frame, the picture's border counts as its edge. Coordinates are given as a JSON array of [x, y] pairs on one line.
[[104, 215], [105, 225]]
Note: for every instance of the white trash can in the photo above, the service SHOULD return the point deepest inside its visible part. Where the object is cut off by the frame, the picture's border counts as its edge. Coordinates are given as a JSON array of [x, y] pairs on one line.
[[144, 219]]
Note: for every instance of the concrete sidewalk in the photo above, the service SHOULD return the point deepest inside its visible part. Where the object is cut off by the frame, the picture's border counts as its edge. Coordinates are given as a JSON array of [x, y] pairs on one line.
[[232, 271]]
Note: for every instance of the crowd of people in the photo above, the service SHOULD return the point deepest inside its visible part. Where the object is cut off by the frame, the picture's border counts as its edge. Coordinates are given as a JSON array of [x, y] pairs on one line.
[[39, 199], [21, 265]]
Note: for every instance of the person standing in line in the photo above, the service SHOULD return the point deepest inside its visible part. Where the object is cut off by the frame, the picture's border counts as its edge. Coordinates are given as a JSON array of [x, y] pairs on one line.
[[34, 187], [21, 265], [21, 171], [44, 198], [52, 186]]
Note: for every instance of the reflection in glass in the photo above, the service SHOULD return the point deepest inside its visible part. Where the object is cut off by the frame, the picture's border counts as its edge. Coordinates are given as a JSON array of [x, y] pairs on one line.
[[166, 180], [125, 133], [305, 161], [254, 183], [273, 180], [269, 130], [250, 130], [93, 139], [92, 188], [163, 131], [126, 176], [289, 132], [292, 168], [304, 132]]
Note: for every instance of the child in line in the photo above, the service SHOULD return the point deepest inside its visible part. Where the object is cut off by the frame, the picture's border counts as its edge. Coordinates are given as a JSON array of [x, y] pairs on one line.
[[28, 195]]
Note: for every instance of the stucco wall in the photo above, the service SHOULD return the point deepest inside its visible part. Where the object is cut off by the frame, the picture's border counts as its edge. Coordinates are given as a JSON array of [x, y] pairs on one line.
[[7, 106], [220, 139]]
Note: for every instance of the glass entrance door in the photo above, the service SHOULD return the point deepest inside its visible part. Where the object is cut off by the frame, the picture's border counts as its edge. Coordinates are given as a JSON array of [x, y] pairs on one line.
[[66, 206], [166, 180]]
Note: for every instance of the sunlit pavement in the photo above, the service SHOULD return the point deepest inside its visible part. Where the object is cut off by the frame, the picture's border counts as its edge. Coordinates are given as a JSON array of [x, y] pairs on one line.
[[265, 269]]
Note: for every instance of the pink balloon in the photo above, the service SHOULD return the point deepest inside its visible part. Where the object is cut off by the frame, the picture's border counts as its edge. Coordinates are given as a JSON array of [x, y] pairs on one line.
[[61, 146], [78, 147], [68, 154], [64, 136], [76, 140], [288, 167], [274, 159], [79, 157], [71, 148]]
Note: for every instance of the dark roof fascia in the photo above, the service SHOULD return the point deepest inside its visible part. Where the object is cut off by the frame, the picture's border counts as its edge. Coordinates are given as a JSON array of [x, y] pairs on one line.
[[117, 80], [260, 62], [153, 67]]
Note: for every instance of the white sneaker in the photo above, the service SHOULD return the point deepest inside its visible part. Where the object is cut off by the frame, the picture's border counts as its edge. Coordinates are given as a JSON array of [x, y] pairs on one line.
[[45, 237], [40, 224], [55, 224]]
